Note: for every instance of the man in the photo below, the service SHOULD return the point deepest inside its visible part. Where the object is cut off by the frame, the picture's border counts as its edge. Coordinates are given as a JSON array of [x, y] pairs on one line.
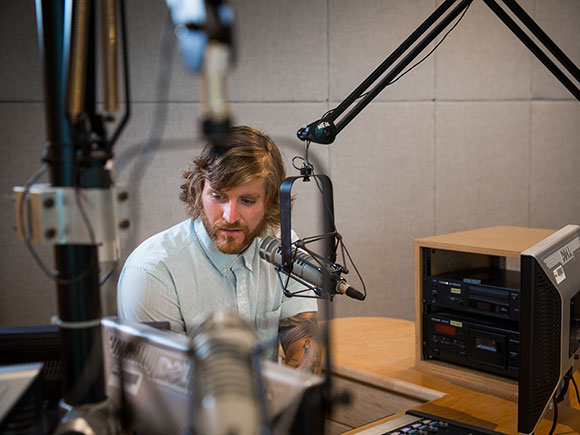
[[211, 261]]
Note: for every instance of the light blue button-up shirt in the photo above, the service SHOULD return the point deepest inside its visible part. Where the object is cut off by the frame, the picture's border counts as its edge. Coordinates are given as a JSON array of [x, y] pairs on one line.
[[178, 274]]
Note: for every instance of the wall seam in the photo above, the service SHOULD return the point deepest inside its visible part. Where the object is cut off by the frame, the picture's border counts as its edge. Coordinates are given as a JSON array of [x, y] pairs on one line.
[[434, 153], [530, 125]]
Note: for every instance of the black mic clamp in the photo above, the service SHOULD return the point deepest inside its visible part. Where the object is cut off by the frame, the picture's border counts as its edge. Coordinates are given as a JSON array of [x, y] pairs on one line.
[[321, 131]]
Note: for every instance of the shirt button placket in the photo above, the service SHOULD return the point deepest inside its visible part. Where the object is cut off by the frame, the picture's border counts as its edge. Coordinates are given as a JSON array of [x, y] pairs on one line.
[[242, 292]]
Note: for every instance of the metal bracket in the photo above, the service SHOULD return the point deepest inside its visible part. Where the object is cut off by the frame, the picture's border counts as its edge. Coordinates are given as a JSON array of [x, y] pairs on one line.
[[48, 215], [286, 218]]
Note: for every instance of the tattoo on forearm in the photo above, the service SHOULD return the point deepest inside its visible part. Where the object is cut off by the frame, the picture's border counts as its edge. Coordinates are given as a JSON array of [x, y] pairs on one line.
[[306, 346], [298, 339], [297, 327]]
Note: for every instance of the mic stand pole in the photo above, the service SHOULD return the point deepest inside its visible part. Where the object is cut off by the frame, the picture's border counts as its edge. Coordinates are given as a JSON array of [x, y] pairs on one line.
[[325, 130], [77, 153], [329, 254], [77, 265]]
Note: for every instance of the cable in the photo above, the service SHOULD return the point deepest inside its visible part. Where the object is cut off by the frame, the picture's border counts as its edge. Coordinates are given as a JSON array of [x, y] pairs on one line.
[[555, 416], [24, 199], [408, 70], [25, 224], [308, 168], [108, 274], [433, 49], [84, 215], [340, 241], [560, 397], [147, 150], [575, 389]]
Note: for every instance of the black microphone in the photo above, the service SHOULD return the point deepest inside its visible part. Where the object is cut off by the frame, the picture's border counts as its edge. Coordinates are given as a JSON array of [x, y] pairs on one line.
[[304, 267]]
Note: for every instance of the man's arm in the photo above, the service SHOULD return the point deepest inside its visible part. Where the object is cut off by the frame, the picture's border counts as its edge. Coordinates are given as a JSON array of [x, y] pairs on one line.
[[145, 297], [298, 336]]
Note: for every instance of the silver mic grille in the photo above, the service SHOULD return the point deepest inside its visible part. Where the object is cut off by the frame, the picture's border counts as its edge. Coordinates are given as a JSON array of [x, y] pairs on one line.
[[303, 265], [227, 395]]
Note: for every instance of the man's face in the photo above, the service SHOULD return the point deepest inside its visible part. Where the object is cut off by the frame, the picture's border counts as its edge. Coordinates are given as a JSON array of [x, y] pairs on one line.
[[235, 217]]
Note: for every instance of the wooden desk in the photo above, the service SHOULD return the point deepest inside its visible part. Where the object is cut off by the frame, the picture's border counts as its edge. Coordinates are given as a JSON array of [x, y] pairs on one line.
[[379, 354]]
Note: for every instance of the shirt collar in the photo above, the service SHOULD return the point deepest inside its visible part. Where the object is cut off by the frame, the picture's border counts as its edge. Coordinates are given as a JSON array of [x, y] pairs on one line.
[[223, 262]]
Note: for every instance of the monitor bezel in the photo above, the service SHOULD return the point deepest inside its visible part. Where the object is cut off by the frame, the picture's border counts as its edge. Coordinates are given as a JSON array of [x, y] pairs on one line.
[[546, 257]]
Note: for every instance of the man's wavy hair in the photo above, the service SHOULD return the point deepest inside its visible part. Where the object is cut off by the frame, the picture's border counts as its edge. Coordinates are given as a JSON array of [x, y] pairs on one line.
[[246, 155]]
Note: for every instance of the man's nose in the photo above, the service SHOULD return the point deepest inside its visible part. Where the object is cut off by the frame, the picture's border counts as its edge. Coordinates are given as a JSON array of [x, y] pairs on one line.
[[231, 212]]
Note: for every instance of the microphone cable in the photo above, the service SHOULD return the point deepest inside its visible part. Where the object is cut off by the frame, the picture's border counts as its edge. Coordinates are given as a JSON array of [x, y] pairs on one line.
[[307, 166], [416, 64]]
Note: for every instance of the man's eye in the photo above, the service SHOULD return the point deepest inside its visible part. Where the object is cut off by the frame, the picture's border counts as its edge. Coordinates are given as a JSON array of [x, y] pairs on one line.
[[217, 196], [247, 201]]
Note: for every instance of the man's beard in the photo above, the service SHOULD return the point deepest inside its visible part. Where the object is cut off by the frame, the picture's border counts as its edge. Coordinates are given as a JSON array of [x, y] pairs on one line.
[[230, 245]]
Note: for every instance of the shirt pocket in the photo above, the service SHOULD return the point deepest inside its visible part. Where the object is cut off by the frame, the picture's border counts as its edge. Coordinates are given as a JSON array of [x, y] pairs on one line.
[[267, 325]]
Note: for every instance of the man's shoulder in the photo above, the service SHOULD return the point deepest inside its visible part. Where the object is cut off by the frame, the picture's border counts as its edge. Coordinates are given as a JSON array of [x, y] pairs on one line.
[[163, 247]]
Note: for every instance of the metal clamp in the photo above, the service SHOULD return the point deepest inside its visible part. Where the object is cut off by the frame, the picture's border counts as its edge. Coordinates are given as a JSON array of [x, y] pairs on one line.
[[48, 215]]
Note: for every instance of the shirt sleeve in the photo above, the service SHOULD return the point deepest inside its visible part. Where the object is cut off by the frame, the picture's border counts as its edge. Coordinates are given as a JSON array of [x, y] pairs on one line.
[[296, 305], [147, 296]]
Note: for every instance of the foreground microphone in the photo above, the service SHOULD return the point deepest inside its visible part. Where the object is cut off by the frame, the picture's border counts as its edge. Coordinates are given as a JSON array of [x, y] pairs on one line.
[[304, 267], [216, 115], [204, 31], [227, 389]]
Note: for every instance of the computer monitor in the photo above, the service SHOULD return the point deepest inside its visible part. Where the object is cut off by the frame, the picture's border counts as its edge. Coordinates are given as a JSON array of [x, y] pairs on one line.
[[28, 344], [21, 400], [164, 382], [549, 320]]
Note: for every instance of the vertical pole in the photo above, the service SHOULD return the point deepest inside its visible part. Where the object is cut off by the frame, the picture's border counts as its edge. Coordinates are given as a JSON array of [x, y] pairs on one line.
[[76, 265]]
